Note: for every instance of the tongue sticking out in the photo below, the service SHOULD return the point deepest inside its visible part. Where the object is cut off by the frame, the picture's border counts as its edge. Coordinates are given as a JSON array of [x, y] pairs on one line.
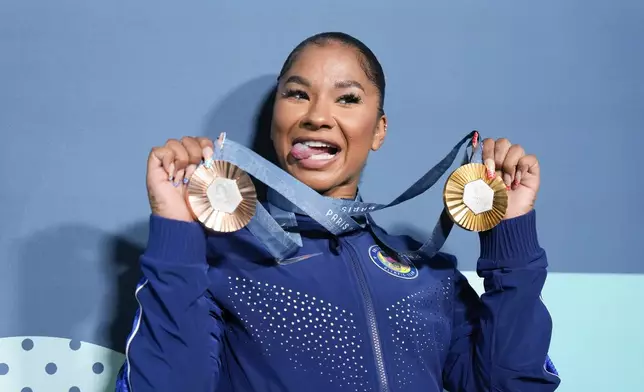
[[302, 151]]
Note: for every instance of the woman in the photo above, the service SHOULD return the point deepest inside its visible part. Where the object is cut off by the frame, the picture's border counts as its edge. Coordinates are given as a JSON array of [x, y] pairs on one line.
[[218, 314]]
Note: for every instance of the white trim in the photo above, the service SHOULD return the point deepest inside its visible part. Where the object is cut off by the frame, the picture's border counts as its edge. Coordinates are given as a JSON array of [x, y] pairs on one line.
[[134, 332]]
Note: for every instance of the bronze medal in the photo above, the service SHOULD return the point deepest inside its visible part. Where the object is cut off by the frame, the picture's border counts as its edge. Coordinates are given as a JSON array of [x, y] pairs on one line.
[[221, 196]]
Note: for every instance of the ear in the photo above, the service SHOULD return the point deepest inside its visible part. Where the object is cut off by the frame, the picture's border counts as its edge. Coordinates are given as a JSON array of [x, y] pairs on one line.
[[379, 135]]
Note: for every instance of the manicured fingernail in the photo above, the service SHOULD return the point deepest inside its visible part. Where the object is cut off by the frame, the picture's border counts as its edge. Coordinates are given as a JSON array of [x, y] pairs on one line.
[[189, 172], [179, 177], [489, 164], [508, 187], [517, 178], [207, 157], [171, 174], [207, 153], [507, 179], [475, 139]]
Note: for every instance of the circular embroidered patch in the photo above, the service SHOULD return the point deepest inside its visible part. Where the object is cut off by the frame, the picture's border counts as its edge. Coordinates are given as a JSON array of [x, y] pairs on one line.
[[403, 269]]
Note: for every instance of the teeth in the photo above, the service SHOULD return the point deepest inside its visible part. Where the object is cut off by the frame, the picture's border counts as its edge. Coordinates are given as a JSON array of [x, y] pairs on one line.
[[313, 143], [321, 157]]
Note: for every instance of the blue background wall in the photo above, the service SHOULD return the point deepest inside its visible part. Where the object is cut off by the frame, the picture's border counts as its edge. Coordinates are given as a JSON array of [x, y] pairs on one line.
[[88, 87]]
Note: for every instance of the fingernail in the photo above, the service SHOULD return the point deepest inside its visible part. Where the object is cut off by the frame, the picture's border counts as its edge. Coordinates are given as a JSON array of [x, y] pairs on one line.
[[508, 187], [207, 152], [489, 163], [189, 172], [475, 139], [207, 156], [171, 174], [507, 179], [517, 178], [176, 184]]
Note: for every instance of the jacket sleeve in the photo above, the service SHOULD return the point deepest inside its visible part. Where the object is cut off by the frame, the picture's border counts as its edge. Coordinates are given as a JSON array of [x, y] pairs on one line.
[[500, 341], [177, 333]]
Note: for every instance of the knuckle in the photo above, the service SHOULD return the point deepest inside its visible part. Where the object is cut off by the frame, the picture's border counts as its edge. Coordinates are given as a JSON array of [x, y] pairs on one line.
[[530, 158], [205, 142], [171, 141], [517, 148]]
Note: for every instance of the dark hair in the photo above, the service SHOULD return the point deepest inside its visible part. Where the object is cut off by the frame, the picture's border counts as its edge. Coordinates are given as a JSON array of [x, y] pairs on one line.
[[368, 60]]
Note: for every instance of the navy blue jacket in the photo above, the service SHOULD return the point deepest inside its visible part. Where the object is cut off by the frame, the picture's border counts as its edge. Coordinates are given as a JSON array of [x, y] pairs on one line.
[[217, 313]]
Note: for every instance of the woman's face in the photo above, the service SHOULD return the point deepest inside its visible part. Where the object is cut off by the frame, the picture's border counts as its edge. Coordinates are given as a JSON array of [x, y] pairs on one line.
[[326, 119]]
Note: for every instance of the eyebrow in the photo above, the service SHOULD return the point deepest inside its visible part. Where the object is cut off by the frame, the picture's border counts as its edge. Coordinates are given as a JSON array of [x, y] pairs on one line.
[[340, 84], [348, 83], [298, 80]]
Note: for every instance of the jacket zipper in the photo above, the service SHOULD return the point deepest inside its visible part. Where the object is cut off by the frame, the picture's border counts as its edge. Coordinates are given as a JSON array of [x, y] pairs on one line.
[[376, 344]]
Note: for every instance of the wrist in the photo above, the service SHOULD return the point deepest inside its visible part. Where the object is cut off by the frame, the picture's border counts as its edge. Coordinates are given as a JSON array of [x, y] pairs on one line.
[[172, 214], [512, 214]]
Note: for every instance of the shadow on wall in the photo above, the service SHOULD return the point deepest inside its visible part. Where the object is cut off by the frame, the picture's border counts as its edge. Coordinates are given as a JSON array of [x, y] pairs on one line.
[[78, 283], [245, 115]]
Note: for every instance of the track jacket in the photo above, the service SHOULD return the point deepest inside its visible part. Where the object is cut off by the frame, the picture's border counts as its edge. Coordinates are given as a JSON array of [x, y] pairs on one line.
[[217, 313]]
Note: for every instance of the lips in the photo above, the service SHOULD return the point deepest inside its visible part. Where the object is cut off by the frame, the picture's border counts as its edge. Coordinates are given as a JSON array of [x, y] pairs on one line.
[[314, 149], [314, 154]]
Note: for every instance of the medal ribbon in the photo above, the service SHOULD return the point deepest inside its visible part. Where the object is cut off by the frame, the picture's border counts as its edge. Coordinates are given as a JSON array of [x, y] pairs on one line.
[[288, 196]]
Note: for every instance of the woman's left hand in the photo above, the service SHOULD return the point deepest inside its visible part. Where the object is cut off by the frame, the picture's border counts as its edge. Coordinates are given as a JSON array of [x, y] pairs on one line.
[[519, 172]]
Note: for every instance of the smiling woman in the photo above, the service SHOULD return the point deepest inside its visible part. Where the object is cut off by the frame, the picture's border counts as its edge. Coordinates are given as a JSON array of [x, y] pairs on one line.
[[217, 313], [329, 112]]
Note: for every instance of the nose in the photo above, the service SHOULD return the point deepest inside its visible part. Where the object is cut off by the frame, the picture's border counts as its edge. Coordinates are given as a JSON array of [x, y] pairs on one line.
[[318, 116]]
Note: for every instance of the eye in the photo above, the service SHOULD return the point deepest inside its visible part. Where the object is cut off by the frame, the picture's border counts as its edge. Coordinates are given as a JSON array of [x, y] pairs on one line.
[[295, 94], [348, 99]]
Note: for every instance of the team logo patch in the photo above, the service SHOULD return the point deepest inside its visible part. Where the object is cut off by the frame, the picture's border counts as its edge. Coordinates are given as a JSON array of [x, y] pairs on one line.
[[403, 269]]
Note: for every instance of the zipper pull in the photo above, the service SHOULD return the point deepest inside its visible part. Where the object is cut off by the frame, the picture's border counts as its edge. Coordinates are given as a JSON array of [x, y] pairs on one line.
[[335, 245]]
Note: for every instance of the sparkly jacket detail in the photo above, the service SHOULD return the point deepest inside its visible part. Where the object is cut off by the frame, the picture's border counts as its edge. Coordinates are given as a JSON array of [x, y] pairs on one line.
[[217, 313]]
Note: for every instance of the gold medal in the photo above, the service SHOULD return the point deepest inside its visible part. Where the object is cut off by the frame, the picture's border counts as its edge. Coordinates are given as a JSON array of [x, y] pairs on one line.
[[222, 196], [472, 201]]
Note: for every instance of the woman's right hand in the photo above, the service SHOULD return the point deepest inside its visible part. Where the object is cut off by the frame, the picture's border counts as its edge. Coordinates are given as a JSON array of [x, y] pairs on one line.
[[169, 168]]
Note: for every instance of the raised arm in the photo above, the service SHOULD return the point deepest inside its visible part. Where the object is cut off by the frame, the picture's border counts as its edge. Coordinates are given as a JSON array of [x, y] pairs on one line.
[[500, 341], [177, 332], [176, 337]]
